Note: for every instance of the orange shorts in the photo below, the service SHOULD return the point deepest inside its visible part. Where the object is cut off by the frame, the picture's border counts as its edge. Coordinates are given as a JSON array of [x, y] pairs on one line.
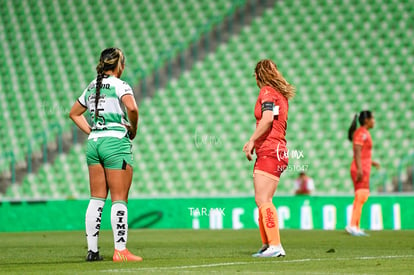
[[271, 166], [362, 184]]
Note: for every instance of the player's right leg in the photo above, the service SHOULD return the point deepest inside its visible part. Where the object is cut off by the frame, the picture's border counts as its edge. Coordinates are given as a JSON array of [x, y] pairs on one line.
[[263, 236], [356, 208], [118, 171], [119, 182]]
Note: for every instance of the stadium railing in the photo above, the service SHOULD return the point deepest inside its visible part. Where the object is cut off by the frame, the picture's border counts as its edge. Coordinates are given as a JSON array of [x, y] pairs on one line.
[[404, 173]]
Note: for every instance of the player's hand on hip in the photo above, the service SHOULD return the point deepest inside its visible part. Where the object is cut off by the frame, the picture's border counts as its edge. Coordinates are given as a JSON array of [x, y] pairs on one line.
[[248, 149], [132, 132]]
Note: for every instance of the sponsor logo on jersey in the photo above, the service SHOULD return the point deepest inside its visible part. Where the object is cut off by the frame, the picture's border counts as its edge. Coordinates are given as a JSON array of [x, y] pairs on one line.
[[92, 97], [103, 86]]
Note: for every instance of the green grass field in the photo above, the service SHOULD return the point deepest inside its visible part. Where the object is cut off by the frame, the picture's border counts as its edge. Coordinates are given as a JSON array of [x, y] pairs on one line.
[[206, 251]]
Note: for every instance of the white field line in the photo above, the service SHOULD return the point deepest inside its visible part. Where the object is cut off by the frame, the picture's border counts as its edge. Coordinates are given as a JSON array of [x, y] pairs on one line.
[[256, 262]]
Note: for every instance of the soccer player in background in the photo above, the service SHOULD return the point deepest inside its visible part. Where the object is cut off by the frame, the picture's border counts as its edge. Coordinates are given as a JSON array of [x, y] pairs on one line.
[[304, 184], [109, 154], [269, 141], [360, 167]]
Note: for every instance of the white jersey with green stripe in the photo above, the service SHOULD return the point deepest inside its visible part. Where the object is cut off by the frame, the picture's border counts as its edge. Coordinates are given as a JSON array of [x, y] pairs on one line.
[[111, 116]]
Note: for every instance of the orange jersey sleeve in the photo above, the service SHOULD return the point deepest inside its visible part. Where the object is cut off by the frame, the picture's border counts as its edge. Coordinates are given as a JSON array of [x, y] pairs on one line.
[[359, 138], [267, 94]]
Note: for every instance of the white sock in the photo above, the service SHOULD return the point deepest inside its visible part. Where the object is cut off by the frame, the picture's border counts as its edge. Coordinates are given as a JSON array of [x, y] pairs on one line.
[[119, 222], [93, 219]]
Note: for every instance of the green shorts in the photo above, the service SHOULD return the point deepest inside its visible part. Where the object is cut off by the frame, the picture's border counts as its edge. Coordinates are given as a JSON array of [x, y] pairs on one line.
[[111, 152]]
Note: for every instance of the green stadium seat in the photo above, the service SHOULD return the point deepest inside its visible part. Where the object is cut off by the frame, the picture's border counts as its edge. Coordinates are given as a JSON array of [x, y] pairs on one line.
[[52, 52], [337, 54]]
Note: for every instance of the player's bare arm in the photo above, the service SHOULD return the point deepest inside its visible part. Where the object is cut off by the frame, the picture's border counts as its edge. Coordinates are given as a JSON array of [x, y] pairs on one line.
[[76, 114], [263, 126], [132, 110], [357, 152]]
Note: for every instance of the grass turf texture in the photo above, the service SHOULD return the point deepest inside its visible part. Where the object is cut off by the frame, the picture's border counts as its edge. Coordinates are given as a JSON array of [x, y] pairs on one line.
[[205, 251]]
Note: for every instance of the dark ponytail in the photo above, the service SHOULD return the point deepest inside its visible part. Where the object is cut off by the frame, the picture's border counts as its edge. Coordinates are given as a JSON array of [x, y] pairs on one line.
[[361, 119], [99, 77], [109, 60], [352, 128]]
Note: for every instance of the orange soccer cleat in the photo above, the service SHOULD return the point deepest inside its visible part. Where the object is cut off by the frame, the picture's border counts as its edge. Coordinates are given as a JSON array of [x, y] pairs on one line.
[[125, 256]]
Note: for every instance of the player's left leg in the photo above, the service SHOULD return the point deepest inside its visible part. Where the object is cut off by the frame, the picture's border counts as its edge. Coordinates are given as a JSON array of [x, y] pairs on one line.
[[361, 196], [265, 186]]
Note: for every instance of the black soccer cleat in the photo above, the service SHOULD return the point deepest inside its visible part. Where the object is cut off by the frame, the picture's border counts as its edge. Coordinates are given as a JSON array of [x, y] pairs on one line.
[[93, 256]]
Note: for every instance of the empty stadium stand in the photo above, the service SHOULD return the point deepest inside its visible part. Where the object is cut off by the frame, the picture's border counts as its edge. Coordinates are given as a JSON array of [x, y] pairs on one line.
[[342, 57]]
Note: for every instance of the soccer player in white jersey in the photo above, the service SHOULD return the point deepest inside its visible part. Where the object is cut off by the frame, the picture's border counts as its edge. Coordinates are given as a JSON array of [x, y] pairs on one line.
[[109, 154]]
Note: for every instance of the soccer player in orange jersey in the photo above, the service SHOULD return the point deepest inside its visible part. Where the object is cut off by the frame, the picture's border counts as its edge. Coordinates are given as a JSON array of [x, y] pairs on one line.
[[360, 167], [269, 141]]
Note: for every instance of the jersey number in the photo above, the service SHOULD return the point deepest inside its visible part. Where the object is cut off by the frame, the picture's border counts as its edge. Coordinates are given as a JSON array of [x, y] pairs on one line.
[[98, 123]]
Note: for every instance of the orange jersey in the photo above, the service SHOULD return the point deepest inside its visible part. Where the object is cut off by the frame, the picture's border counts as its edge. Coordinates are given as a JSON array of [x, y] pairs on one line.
[[362, 137], [273, 142]]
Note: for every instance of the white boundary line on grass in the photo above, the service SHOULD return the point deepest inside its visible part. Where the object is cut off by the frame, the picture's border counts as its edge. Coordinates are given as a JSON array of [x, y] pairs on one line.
[[256, 262]]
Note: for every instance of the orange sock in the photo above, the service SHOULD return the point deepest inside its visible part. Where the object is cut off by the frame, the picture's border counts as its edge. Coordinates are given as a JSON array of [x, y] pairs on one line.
[[361, 196], [270, 223], [262, 230]]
